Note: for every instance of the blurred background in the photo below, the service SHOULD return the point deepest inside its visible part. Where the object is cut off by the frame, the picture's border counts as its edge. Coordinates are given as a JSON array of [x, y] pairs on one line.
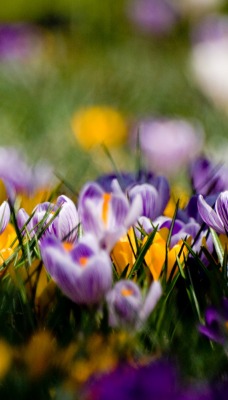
[[70, 66]]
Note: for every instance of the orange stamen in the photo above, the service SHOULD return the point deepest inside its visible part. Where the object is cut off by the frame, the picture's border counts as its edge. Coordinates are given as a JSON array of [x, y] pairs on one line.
[[106, 200], [126, 292], [83, 261], [68, 246]]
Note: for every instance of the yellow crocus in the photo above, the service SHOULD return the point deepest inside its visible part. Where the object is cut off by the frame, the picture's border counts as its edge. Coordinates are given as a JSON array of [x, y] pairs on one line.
[[124, 252], [156, 254]]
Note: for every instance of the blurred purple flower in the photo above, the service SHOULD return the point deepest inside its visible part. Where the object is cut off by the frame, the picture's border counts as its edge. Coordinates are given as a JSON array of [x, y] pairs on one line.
[[216, 323], [19, 41], [156, 17], [169, 145], [208, 178], [19, 177], [84, 273], [218, 218], [107, 215], [126, 306], [64, 225]]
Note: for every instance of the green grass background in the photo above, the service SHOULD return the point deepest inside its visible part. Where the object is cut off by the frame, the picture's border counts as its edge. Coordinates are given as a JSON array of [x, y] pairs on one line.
[[95, 56]]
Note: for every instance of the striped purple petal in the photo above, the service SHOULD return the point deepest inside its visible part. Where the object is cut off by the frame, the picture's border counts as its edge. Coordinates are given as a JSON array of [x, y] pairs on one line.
[[150, 199], [221, 207], [65, 225], [209, 216]]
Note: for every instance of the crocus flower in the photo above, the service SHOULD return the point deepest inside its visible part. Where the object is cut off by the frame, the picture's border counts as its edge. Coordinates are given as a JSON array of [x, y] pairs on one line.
[[158, 380], [107, 215], [216, 322], [154, 200], [64, 225], [19, 42], [208, 178], [169, 145], [99, 125], [156, 17], [32, 185], [215, 218], [126, 306], [83, 272]]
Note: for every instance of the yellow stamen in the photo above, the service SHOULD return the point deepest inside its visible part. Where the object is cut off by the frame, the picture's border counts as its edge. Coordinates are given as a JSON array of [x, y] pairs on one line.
[[126, 292], [106, 200]]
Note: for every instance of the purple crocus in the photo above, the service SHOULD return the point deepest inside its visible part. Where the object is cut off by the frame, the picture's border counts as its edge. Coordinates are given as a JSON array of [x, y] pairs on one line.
[[156, 17], [126, 306], [208, 178], [216, 321], [19, 42], [84, 273], [169, 144], [60, 219], [19, 177], [4, 215], [215, 218], [159, 380], [154, 201], [107, 215]]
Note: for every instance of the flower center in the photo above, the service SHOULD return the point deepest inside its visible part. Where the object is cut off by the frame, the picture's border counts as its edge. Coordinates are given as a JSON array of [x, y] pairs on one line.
[[68, 246], [83, 261], [126, 292]]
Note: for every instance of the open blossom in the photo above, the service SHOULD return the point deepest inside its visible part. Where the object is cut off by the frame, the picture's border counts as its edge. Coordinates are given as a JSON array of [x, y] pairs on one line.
[[83, 272], [215, 218], [63, 225], [107, 215], [126, 306]]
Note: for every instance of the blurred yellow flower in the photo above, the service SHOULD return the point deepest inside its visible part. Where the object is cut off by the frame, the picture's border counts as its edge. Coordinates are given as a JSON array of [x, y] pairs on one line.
[[5, 358], [99, 125]]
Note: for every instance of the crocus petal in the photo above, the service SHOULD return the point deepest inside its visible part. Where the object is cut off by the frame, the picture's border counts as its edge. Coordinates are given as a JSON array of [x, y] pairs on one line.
[[4, 215], [221, 207], [22, 218], [151, 300], [134, 212], [162, 186], [209, 216], [150, 200], [66, 225], [118, 212]]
